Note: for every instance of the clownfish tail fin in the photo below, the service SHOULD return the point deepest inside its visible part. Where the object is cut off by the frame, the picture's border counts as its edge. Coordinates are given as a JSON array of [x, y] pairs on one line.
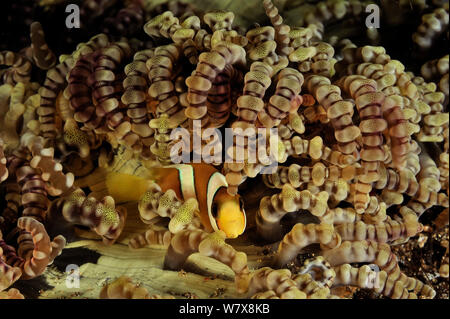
[[121, 186]]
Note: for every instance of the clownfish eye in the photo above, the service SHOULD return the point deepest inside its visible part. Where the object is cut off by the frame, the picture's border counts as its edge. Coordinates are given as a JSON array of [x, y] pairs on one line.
[[214, 210]]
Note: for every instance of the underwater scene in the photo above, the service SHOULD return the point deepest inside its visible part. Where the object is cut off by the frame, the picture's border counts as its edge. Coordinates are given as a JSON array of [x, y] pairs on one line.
[[224, 149]]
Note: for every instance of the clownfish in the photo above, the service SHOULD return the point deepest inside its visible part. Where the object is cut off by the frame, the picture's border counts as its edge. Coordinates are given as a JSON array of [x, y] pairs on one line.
[[218, 210]]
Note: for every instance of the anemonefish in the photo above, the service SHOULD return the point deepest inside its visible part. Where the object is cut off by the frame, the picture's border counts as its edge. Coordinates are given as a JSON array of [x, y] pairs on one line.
[[218, 209]]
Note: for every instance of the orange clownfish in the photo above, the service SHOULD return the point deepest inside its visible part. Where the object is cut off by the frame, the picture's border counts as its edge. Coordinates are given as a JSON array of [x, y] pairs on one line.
[[218, 209]]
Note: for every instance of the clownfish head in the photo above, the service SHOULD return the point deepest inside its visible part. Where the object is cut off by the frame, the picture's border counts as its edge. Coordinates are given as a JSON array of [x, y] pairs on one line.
[[229, 214]]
